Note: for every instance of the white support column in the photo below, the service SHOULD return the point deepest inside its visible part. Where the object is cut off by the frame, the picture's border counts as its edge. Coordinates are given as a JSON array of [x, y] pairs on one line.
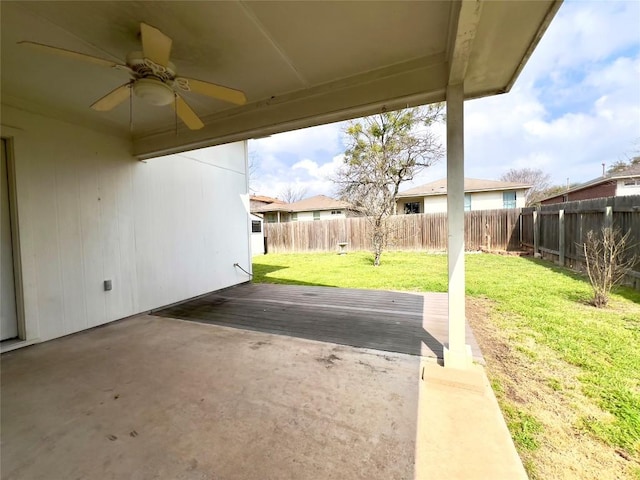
[[457, 354]]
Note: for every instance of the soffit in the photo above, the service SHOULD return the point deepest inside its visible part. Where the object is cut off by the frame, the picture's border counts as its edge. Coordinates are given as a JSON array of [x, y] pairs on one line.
[[299, 63]]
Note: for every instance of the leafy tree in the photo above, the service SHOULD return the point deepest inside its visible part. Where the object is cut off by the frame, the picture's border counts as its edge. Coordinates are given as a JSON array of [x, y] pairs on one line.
[[540, 182], [622, 165], [383, 151], [292, 193], [616, 167]]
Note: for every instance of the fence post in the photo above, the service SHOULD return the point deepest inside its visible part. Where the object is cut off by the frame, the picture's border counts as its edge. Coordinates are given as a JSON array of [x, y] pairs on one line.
[[536, 232], [608, 217], [561, 246], [487, 236], [520, 222], [507, 236]]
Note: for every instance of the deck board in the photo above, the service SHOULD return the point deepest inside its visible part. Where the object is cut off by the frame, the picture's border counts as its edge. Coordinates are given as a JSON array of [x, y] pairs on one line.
[[414, 324]]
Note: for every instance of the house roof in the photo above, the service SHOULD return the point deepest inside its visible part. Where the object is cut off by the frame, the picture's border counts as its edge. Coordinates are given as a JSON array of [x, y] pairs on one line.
[[265, 199], [299, 63], [631, 172], [439, 187], [312, 204]]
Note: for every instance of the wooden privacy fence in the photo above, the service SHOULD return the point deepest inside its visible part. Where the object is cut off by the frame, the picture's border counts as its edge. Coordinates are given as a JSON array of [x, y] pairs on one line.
[[491, 229], [558, 231]]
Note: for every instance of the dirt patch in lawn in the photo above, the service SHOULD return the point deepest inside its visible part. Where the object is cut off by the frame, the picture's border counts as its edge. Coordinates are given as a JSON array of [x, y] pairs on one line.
[[542, 400]]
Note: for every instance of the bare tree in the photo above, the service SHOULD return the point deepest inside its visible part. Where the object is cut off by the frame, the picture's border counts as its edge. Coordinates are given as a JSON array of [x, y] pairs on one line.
[[292, 193], [252, 169], [540, 182], [383, 151], [608, 257]]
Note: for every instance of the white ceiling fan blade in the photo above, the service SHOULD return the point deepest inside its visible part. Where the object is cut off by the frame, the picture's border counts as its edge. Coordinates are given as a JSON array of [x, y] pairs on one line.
[[187, 115], [212, 90], [156, 46], [71, 54], [113, 98]]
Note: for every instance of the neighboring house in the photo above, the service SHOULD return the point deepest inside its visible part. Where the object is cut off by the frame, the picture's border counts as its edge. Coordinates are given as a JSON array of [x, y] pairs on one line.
[[618, 184], [478, 195], [319, 207], [257, 201], [257, 235]]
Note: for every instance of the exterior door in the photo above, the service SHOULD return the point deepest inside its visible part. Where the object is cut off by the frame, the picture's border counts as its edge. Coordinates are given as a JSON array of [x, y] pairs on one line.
[[9, 318]]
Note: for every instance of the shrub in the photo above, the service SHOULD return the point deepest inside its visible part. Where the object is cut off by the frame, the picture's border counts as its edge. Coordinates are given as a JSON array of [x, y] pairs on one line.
[[608, 257]]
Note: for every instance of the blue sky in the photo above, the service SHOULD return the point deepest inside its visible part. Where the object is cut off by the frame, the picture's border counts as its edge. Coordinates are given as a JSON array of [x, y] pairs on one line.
[[575, 105]]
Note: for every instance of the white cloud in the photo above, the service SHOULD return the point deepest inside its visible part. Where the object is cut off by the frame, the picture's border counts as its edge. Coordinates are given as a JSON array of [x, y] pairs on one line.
[[312, 176], [303, 158], [583, 33], [319, 171], [305, 164], [518, 130]]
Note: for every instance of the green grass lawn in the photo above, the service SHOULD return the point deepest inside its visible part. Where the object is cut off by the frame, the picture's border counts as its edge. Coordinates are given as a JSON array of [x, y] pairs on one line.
[[533, 300]]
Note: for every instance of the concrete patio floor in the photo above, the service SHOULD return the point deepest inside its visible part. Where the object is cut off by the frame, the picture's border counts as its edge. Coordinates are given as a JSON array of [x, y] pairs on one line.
[[228, 397], [150, 397]]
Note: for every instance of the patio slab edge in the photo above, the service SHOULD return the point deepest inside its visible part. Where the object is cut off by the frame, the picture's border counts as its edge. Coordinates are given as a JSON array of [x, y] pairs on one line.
[[461, 431]]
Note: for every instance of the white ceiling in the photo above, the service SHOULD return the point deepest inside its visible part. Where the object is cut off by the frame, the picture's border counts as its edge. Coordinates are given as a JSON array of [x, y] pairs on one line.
[[299, 63]]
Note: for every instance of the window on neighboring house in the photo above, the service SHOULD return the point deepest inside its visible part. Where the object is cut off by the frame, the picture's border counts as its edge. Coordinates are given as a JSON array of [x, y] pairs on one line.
[[256, 226], [508, 199], [316, 215], [411, 207], [631, 182], [271, 217], [467, 202], [294, 217], [336, 212]]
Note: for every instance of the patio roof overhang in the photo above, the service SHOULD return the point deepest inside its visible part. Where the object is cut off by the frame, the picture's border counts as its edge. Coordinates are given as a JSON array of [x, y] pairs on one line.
[[299, 63]]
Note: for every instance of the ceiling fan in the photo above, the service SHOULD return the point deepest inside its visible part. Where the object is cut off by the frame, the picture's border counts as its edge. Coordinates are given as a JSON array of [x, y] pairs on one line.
[[153, 77]]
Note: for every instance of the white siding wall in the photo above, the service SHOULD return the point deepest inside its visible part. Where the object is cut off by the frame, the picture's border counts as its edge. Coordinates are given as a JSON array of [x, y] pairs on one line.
[[305, 216], [486, 200], [324, 215], [435, 204], [623, 190], [327, 215], [479, 201], [163, 231]]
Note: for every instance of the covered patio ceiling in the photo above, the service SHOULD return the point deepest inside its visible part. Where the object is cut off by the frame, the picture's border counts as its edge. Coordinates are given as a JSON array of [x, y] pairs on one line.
[[299, 63]]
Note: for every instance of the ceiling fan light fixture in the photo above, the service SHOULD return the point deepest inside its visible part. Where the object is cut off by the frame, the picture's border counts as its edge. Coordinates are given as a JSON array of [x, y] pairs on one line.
[[153, 92]]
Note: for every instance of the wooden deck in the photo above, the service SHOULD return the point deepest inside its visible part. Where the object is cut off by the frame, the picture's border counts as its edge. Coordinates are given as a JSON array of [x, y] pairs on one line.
[[414, 324]]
